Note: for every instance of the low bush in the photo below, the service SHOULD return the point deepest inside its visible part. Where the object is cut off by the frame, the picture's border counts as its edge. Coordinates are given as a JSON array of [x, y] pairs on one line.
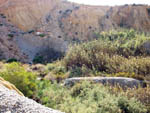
[[80, 72], [31, 31], [10, 35], [12, 60], [22, 79], [127, 42], [56, 71], [93, 55], [42, 35], [142, 94], [39, 69], [140, 66], [87, 98], [38, 59]]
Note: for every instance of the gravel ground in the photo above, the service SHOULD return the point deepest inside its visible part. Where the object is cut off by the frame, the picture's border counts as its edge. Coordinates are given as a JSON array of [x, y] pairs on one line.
[[11, 102]]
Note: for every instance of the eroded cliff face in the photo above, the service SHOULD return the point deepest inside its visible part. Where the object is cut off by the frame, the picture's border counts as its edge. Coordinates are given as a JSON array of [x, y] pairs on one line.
[[24, 46], [135, 16], [61, 22], [26, 13], [71, 17], [8, 47]]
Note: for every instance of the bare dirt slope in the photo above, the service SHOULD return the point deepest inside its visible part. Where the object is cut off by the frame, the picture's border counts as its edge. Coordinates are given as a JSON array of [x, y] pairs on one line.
[[8, 47]]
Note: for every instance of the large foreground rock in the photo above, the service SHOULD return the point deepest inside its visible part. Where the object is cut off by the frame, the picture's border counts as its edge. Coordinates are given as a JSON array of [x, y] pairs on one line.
[[13, 102], [121, 81]]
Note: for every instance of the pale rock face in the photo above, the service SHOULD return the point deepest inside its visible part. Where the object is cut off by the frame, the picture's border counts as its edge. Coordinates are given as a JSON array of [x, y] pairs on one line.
[[8, 47], [12, 102]]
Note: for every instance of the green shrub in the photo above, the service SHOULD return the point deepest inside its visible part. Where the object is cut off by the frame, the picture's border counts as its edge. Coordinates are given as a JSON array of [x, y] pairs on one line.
[[148, 10], [80, 72], [93, 56], [75, 72], [39, 69], [12, 60], [2, 15], [31, 31], [22, 79], [50, 94], [42, 35], [10, 35], [57, 72], [127, 42], [140, 66], [50, 66], [87, 98], [38, 59], [54, 65], [142, 94]]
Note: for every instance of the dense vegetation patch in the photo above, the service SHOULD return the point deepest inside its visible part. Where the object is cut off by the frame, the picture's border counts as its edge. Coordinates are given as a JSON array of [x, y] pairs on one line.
[[16, 74], [114, 52], [87, 98], [83, 97]]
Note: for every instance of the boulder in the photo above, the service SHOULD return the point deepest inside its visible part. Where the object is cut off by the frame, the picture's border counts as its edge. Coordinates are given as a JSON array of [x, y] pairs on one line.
[[13, 102], [9, 86], [121, 81], [146, 47]]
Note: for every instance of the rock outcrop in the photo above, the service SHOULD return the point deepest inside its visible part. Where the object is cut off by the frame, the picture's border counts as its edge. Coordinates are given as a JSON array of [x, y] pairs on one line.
[[114, 81], [12, 101], [9, 86]]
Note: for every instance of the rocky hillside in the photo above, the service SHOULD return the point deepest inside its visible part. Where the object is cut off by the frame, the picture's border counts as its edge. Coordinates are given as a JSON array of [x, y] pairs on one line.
[[24, 46], [53, 24], [8, 46], [135, 16]]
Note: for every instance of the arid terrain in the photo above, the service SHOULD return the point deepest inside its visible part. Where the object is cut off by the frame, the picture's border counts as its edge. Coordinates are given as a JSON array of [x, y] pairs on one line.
[[54, 24], [74, 58]]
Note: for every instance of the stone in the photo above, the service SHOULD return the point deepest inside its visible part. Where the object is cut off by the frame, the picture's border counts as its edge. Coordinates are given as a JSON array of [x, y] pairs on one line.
[[9, 86], [121, 81], [12, 102]]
